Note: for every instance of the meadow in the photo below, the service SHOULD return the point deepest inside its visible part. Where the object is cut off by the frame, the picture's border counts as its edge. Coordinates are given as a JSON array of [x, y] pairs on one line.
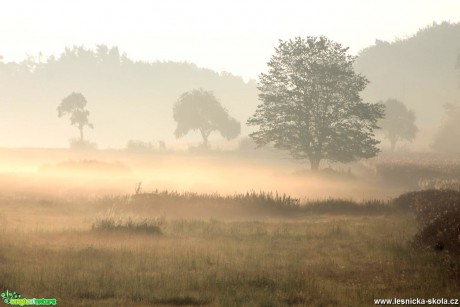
[[172, 247]]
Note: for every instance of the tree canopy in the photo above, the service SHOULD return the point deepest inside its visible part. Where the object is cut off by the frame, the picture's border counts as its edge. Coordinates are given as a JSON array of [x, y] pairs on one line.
[[311, 104], [399, 122], [74, 106], [200, 110]]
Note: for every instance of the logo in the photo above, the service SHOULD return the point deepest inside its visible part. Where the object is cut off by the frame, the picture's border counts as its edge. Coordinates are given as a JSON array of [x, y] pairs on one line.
[[13, 298]]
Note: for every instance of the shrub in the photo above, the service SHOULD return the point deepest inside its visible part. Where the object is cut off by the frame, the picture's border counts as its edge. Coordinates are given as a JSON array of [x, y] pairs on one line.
[[406, 201], [438, 214]]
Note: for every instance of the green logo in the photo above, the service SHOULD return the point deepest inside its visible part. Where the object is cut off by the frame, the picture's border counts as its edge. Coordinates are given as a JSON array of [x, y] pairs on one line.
[[7, 296], [13, 298]]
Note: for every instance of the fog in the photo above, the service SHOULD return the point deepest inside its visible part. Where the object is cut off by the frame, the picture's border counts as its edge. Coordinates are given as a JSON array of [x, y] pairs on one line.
[[243, 153], [110, 172], [132, 72], [125, 126]]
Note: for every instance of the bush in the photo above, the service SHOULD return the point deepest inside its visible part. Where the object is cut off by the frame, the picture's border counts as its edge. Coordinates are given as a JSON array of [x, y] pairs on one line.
[[406, 201], [438, 214]]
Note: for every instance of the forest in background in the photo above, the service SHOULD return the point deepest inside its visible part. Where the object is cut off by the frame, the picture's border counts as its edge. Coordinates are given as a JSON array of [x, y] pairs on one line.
[[420, 71], [127, 100], [133, 100]]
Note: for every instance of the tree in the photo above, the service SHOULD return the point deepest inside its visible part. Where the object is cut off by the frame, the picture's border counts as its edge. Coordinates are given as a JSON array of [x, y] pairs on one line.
[[200, 110], [399, 122], [311, 104], [447, 138], [74, 105]]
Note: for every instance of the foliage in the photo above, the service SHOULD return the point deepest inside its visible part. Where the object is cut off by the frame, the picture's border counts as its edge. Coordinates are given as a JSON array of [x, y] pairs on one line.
[[438, 214], [250, 203], [74, 106], [398, 123], [118, 84], [311, 104], [113, 222], [200, 110], [266, 200], [417, 69]]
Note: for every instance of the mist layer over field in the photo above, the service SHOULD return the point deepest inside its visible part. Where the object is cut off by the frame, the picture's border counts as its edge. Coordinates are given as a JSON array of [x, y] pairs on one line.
[[230, 154], [225, 173]]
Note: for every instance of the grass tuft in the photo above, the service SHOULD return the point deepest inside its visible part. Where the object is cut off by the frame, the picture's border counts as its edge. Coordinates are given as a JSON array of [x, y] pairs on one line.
[[112, 222]]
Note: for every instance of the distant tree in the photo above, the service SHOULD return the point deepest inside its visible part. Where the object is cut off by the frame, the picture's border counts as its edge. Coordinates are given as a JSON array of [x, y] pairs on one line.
[[74, 105], [399, 122], [200, 110], [311, 104], [448, 137]]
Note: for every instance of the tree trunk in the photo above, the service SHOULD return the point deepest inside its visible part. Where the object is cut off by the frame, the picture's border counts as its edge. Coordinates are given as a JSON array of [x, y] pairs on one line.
[[81, 133], [314, 162], [205, 135]]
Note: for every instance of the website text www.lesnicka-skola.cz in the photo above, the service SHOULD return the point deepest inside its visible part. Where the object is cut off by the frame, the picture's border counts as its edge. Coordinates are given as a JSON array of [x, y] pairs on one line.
[[416, 301]]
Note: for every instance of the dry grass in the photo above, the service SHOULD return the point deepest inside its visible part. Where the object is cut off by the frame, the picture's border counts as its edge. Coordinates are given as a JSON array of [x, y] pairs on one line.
[[243, 249], [315, 259]]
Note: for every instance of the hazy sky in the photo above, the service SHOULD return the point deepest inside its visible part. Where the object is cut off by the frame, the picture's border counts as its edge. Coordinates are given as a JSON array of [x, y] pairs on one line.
[[235, 35]]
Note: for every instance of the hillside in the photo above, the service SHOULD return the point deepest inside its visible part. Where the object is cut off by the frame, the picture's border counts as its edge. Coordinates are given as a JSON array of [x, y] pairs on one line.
[[126, 99], [132, 100], [418, 70]]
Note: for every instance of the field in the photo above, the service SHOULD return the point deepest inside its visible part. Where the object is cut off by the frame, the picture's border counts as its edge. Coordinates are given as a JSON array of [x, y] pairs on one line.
[[106, 245]]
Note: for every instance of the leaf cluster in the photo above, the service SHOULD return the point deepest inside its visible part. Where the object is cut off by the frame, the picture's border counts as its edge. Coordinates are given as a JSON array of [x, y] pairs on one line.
[[74, 105]]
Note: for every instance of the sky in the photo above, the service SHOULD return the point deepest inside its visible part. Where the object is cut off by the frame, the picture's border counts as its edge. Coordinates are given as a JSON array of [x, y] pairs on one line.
[[236, 36]]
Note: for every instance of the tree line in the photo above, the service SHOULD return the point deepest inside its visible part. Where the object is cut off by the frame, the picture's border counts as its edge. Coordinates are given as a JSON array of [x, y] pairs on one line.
[[310, 106], [120, 85]]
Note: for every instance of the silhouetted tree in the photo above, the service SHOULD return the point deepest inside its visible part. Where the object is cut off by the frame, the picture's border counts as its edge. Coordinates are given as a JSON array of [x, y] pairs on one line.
[[448, 137], [200, 110], [398, 69], [74, 105], [399, 122], [311, 104]]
